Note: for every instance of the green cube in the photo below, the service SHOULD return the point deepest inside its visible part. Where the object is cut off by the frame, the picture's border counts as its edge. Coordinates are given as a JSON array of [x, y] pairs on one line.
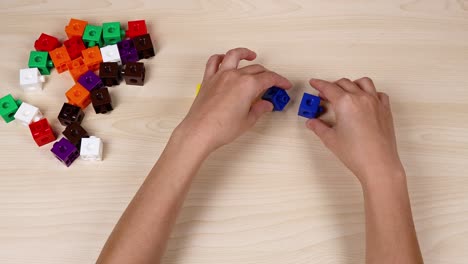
[[112, 33], [8, 107], [92, 36], [40, 60]]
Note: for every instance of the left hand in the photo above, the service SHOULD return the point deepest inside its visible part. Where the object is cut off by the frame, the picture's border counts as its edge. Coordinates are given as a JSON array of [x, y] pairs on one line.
[[227, 104]]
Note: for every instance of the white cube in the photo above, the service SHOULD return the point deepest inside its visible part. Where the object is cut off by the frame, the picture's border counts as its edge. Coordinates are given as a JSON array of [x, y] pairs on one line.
[[110, 54], [91, 148], [31, 80], [27, 114]]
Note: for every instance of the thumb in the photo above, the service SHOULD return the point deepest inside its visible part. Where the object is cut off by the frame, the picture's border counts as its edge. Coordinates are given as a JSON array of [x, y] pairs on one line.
[[258, 109], [322, 130]]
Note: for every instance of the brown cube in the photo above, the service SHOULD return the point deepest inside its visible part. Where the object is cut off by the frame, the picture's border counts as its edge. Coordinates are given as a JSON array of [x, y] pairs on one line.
[[144, 46], [110, 73], [70, 114], [134, 73], [74, 133], [101, 100]]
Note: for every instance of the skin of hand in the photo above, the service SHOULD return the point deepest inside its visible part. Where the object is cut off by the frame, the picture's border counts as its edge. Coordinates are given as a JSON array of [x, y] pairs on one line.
[[227, 104], [363, 137]]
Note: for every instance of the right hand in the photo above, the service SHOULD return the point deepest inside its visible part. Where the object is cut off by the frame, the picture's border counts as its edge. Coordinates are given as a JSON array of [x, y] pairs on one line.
[[363, 137]]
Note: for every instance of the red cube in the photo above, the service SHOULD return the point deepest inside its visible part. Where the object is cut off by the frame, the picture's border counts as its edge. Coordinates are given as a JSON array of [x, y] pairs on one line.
[[46, 43], [42, 132], [136, 28], [74, 47]]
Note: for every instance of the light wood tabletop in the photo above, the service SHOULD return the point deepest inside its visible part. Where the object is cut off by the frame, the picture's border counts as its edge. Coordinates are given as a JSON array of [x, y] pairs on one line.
[[276, 195]]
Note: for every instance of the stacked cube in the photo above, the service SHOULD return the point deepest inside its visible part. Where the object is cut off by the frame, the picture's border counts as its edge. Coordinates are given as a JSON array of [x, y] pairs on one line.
[[96, 57]]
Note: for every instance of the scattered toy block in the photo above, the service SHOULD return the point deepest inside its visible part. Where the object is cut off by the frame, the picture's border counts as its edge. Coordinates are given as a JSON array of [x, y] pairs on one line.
[[112, 33], [46, 43], [90, 81], [41, 132], [127, 51], [77, 68], [277, 96], [101, 100], [27, 114], [75, 28], [91, 148], [92, 57], [134, 73], [74, 46], [60, 58], [144, 46], [65, 151], [136, 28], [31, 80], [198, 89], [41, 61], [8, 107], [79, 96], [92, 36], [74, 133], [110, 73], [69, 114], [310, 106], [110, 54]]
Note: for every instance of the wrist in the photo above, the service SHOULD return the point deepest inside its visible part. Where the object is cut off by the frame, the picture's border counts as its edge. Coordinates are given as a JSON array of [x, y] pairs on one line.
[[190, 140], [385, 178]]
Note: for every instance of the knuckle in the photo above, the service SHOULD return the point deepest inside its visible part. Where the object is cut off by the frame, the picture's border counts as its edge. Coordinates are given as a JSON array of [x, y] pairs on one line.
[[248, 80], [366, 79], [343, 80], [231, 53]]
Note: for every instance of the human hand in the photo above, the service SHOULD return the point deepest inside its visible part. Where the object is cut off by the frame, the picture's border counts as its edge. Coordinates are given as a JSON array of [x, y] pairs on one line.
[[363, 137], [227, 104]]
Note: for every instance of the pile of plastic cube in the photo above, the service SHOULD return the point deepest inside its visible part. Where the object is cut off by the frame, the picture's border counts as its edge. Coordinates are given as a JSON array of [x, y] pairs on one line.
[[96, 57]]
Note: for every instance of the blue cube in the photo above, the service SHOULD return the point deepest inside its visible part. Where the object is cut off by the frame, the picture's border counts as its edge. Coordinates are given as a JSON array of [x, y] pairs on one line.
[[277, 96], [310, 106]]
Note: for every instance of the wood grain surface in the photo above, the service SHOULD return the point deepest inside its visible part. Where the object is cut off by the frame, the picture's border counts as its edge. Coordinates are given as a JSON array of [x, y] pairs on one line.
[[276, 195]]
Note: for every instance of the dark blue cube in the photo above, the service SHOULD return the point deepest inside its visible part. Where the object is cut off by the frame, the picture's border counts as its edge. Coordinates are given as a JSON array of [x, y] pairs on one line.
[[277, 96], [310, 106]]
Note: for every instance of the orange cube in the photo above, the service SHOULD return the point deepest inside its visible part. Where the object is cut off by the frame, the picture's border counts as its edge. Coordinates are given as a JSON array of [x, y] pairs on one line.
[[77, 67], [60, 58], [79, 96], [75, 27], [92, 57]]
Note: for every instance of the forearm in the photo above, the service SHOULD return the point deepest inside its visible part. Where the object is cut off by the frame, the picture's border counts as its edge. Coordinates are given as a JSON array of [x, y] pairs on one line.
[[390, 233], [143, 230]]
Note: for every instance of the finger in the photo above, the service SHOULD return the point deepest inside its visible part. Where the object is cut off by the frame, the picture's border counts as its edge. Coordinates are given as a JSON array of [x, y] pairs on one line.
[[234, 56], [258, 109], [212, 65], [367, 85], [329, 90], [348, 85], [268, 79], [383, 97], [323, 131], [252, 69]]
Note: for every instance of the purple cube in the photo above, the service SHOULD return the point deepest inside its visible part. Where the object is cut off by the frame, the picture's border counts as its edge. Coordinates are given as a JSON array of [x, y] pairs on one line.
[[90, 81], [65, 151], [127, 50]]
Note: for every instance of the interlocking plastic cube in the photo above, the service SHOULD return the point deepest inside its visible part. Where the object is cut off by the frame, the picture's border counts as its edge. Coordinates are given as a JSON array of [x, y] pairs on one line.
[[46, 43], [65, 151], [112, 33], [74, 46], [92, 57], [60, 58], [75, 27], [110, 54], [134, 73], [101, 100], [91, 148], [90, 81], [127, 51], [8, 107], [310, 106], [77, 68], [92, 36], [277, 96], [198, 89], [79, 96], [26, 114], [31, 80], [144, 46], [69, 114], [41, 132], [41, 61], [110, 73], [136, 28], [74, 133]]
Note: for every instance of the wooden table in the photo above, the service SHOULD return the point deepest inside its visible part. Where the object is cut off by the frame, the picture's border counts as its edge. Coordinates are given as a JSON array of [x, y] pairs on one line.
[[276, 195]]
